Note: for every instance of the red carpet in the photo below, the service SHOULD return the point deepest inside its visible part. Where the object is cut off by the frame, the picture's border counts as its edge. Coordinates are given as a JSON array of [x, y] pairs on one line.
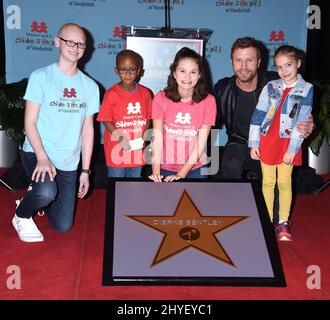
[[69, 266]]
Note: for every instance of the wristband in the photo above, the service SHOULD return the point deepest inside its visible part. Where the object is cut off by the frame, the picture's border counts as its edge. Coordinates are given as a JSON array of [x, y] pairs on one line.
[[86, 171]]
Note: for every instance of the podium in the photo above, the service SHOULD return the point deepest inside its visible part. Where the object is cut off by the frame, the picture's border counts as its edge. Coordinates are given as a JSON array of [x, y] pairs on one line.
[[189, 232]]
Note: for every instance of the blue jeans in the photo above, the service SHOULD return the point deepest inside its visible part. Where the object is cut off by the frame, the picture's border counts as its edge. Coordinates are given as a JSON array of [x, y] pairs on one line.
[[56, 198], [193, 174], [132, 172]]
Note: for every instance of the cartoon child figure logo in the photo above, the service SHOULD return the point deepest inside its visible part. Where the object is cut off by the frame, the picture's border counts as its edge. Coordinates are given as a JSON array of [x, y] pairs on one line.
[[183, 119], [69, 93], [134, 109], [119, 32], [276, 36], [39, 28]]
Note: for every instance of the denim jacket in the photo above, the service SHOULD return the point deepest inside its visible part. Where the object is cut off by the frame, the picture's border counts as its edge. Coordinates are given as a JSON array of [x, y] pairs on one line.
[[296, 107]]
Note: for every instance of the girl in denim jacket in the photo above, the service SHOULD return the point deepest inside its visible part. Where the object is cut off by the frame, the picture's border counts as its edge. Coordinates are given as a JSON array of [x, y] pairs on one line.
[[273, 136]]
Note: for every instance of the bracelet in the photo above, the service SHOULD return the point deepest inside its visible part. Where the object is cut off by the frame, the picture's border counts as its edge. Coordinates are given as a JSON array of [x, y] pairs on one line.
[[86, 171]]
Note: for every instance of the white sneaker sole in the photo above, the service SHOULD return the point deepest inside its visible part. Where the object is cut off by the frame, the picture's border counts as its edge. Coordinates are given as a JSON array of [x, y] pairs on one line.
[[28, 238]]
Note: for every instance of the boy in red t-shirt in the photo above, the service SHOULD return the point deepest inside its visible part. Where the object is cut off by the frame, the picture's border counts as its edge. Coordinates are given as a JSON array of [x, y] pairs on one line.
[[125, 113]]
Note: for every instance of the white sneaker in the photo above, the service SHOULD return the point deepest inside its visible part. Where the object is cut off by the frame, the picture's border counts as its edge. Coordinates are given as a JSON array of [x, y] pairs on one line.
[[27, 229]]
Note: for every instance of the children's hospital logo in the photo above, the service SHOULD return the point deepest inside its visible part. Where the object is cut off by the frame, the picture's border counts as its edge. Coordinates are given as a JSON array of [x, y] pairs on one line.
[[159, 4], [238, 6], [133, 121], [37, 38], [39, 27], [275, 39], [70, 102], [276, 36], [115, 44], [86, 3], [69, 93], [183, 118], [212, 49], [134, 109], [119, 32]]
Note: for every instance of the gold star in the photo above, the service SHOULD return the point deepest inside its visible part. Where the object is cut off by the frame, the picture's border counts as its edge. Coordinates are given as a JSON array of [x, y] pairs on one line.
[[188, 228]]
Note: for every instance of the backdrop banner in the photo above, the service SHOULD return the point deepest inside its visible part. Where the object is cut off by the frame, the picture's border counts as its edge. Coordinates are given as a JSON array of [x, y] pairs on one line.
[[157, 55], [197, 235], [30, 27]]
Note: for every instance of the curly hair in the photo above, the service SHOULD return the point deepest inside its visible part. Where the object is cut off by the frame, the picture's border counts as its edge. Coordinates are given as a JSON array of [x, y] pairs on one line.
[[200, 90], [130, 53]]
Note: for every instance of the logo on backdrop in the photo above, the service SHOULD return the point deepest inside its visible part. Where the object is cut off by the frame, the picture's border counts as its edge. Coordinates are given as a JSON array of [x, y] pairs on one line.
[[238, 6], [275, 39], [37, 38], [188, 228], [115, 44], [159, 4], [276, 36], [212, 49], [39, 28], [88, 4], [119, 32]]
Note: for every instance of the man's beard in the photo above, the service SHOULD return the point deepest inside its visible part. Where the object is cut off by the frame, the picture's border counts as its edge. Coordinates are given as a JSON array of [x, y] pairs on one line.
[[248, 77]]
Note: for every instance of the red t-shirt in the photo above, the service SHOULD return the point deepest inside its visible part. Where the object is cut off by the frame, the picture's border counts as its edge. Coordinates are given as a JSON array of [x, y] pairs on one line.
[[128, 111], [182, 121], [272, 146]]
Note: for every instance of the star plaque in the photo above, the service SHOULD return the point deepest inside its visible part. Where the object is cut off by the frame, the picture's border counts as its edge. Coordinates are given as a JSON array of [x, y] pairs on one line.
[[188, 228], [189, 232]]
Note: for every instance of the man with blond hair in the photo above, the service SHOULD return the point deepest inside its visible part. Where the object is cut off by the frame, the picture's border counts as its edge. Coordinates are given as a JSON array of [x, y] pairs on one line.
[[237, 98]]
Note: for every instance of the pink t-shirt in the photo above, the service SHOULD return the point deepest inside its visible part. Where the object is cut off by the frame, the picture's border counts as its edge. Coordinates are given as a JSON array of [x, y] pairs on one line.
[[182, 121]]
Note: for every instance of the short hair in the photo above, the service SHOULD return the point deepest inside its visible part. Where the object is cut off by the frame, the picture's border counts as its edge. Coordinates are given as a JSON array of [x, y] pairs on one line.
[[71, 24], [130, 53], [296, 53], [246, 42], [200, 90]]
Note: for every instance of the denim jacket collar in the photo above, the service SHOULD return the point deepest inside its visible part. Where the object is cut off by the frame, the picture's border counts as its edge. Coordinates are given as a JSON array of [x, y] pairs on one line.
[[299, 89]]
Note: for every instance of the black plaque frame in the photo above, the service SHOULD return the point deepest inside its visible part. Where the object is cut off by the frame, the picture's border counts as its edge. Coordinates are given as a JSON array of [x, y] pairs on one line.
[[267, 228]]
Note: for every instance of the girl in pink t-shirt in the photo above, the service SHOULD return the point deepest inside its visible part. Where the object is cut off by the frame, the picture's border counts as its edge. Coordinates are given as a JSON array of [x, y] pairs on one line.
[[182, 118]]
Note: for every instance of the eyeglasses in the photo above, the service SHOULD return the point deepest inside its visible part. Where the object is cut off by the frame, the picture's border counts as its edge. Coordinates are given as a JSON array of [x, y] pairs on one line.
[[125, 71], [71, 43]]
